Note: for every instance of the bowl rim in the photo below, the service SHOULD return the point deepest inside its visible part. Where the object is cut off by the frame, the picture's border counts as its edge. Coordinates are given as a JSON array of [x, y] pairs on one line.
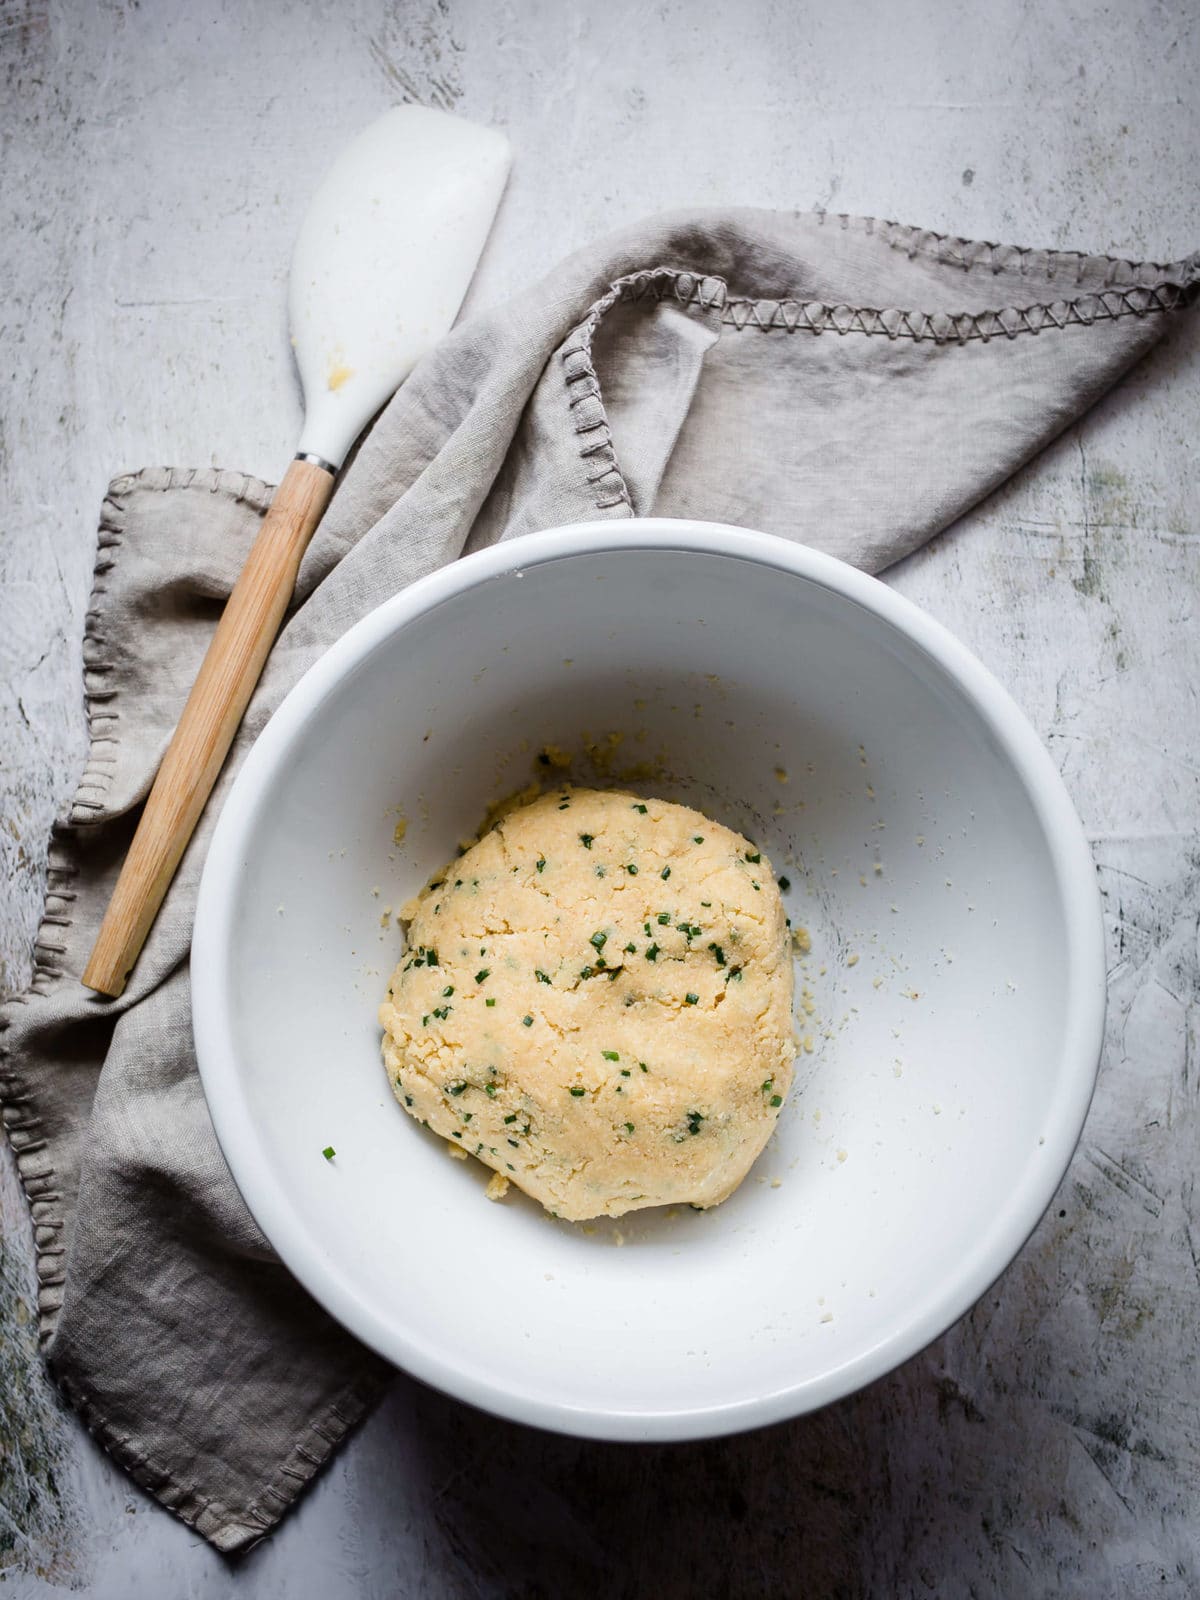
[[1085, 987]]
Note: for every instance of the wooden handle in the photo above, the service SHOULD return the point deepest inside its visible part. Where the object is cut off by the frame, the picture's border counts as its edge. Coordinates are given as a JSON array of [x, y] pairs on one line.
[[210, 719]]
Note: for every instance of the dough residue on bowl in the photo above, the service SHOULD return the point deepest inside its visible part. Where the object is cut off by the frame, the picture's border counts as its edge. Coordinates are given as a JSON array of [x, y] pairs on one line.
[[595, 1001]]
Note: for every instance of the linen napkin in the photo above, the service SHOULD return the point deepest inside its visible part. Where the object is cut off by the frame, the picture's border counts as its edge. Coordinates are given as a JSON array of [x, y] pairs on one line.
[[848, 383]]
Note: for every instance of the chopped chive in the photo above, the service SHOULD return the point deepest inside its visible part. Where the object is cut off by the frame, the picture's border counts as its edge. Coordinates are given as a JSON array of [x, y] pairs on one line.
[[455, 1088], [734, 972], [629, 1127], [408, 1100], [694, 1119], [664, 916], [697, 838], [489, 1002], [718, 954], [601, 963], [754, 855], [540, 975], [329, 1152], [467, 1115], [599, 940], [646, 925], [447, 991], [785, 884], [528, 1021], [587, 972], [511, 1117], [631, 870], [490, 1090], [625, 1072], [585, 840], [643, 1066], [578, 1092], [776, 1099], [640, 808], [665, 873], [515, 1146], [541, 865], [631, 948], [611, 1055], [652, 952], [457, 1135], [706, 902], [425, 1020], [768, 1085], [691, 999], [483, 974]]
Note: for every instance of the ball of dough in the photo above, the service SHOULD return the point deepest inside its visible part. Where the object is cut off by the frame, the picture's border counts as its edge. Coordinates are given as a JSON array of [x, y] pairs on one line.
[[596, 1001]]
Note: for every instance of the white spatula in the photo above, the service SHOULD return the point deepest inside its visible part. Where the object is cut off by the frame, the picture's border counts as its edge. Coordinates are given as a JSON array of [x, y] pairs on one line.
[[381, 265]]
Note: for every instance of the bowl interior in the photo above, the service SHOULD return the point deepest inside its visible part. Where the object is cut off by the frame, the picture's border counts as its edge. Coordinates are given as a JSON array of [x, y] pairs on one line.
[[937, 1090]]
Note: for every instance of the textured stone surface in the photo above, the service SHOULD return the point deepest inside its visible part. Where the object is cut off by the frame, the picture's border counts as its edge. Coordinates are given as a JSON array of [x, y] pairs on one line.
[[154, 161]]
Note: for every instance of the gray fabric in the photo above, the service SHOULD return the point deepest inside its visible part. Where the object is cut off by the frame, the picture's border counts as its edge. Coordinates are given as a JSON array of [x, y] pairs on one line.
[[742, 367]]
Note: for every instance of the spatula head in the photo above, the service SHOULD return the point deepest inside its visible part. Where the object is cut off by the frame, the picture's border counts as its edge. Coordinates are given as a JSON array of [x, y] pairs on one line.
[[382, 261]]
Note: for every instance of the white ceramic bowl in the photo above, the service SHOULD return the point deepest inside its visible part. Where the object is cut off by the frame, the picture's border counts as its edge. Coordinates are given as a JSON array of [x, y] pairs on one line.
[[957, 993]]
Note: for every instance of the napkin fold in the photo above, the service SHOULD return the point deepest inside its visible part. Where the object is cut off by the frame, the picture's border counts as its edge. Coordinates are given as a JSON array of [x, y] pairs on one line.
[[847, 383]]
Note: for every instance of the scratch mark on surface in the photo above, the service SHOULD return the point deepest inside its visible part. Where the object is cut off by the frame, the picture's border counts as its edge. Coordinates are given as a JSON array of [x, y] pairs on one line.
[[1191, 1244], [1121, 1178], [1093, 1455]]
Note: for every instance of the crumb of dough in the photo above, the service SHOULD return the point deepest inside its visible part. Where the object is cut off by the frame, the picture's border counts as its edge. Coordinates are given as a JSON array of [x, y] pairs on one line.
[[399, 831], [497, 1188], [602, 752], [455, 1151], [595, 1001], [802, 941]]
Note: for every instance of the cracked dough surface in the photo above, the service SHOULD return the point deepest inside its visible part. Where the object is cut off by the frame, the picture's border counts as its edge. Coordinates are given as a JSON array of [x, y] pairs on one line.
[[596, 1001]]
